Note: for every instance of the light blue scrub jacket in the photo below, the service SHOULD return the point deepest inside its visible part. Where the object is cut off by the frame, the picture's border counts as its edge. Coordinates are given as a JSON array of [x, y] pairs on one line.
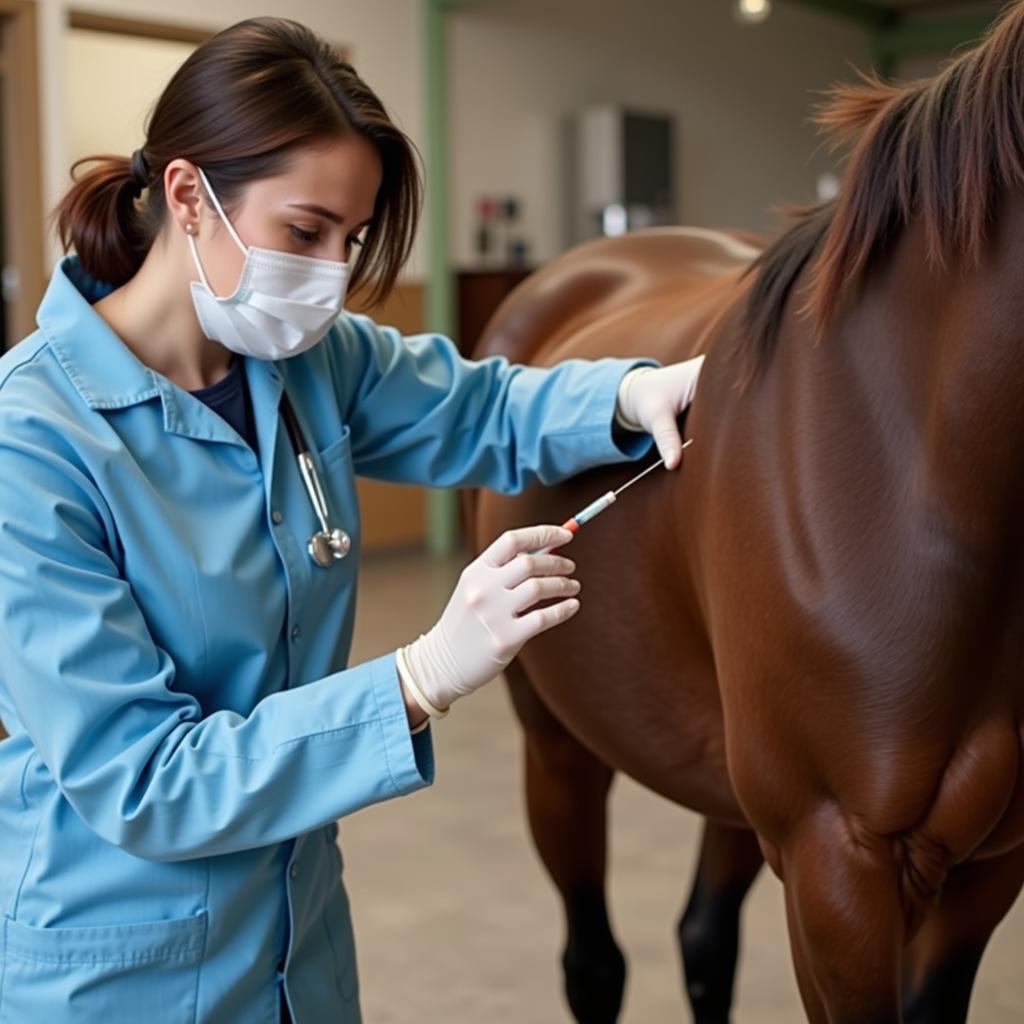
[[184, 731]]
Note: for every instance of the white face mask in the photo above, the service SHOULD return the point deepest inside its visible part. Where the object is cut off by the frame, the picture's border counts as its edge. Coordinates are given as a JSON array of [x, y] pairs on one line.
[[283, 305]]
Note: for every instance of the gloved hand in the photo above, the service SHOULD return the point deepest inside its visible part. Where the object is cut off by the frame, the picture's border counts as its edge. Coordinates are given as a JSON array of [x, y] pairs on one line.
[[487, 621], [650, 398]]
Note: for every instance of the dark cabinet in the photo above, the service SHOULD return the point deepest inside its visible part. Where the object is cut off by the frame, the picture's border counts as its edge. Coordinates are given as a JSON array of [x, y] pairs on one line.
[[478, 295]]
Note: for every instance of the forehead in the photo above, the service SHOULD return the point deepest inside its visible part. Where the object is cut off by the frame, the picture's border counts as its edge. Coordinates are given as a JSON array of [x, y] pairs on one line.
[[342, 175]]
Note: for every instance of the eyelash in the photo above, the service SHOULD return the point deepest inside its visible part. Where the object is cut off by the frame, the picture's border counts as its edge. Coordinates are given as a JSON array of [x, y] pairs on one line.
[[309, 237]]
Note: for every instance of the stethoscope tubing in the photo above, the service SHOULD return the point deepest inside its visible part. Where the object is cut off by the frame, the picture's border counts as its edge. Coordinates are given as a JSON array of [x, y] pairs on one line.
[[326, 546]]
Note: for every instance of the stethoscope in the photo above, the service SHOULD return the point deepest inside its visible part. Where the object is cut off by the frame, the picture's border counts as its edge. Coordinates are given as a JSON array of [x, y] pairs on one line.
[[326, 546]]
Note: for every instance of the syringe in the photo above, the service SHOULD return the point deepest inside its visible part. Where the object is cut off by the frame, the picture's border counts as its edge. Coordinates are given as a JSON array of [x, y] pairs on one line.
[[595, 508]]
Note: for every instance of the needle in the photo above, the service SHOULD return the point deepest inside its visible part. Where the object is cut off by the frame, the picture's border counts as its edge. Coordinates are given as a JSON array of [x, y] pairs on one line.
[[640, 476]]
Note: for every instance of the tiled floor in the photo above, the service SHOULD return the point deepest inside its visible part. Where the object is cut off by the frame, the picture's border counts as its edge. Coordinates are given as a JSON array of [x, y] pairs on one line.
[[457, 924]]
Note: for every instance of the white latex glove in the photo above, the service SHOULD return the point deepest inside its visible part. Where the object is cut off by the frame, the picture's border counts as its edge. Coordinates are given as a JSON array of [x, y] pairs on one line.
[[487, 620], [650, 398]]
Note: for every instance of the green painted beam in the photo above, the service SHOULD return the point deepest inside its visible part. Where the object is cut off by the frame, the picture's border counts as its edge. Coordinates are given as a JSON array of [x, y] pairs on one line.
[[940, 36], [883, 63], [439, 293], [442, 509], [862, 11], [893, 36]]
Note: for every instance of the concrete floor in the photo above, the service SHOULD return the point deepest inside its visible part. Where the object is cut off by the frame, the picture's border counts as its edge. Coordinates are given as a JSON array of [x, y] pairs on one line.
[[455, 920]]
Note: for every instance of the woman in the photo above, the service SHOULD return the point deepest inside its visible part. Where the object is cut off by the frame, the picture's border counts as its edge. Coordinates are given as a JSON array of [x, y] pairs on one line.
[[176, 613]]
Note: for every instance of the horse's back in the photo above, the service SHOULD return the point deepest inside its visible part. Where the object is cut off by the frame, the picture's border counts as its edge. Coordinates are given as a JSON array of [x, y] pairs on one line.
[[652, 293]]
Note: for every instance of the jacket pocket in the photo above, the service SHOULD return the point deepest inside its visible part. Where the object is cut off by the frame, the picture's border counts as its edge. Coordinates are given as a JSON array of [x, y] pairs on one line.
[[339, 483], [148, 972]]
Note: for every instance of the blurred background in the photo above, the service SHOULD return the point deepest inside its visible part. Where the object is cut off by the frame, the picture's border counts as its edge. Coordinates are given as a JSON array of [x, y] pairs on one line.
[[541, 123]]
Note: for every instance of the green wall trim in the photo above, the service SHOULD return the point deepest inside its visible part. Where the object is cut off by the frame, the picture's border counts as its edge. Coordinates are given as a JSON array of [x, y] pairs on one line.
[[439, 293], [442, 510]]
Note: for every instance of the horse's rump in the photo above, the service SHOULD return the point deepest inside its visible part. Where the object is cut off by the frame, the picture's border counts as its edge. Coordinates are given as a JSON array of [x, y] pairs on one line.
[[664, 294]]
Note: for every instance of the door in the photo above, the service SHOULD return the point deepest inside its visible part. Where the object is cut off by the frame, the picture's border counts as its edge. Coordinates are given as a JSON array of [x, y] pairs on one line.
[[22, 224]]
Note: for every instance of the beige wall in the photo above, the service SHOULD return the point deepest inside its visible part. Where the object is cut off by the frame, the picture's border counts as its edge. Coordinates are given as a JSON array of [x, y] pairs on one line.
[[104, 116], [382, 37], [741, 96]]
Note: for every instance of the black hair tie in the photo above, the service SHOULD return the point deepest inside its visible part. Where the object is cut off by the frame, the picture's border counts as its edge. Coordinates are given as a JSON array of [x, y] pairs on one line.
[[139, 172]]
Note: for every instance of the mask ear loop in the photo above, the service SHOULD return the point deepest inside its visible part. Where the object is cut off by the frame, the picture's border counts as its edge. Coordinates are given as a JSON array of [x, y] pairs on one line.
[[231, 230], [220, 212]]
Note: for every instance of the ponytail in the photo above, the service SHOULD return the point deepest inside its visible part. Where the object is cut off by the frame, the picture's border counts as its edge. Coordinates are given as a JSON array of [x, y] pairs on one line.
[[99, 217]]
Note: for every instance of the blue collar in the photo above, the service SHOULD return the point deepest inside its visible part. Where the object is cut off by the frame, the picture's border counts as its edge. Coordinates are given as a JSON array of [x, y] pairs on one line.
[[108, 375], [105, 371]]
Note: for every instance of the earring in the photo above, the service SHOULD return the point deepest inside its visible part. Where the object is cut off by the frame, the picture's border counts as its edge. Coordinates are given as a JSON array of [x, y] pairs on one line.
[[190, 228]]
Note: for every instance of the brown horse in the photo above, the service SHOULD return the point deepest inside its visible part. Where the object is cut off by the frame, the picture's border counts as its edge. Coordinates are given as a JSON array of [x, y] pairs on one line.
[[815, 629]]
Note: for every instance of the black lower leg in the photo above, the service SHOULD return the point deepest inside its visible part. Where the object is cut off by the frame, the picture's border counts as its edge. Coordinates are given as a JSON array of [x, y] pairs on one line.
[[709, 940], [945, 994], [595, 969]]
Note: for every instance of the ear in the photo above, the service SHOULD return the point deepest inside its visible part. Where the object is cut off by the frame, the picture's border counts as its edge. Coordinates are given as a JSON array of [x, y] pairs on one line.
[[183, 190]]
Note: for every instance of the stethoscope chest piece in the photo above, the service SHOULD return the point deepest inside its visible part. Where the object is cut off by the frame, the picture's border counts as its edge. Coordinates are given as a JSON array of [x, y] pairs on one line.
[[326, 548]]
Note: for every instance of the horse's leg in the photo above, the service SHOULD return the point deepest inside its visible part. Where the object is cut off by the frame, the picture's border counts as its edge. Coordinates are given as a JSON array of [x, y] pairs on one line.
[[944, 956], [809, 994], [730, 860], [846, 919], [566, 794]]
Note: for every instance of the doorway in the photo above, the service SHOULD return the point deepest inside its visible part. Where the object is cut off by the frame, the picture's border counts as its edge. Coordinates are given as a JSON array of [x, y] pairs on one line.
[[22, 229]]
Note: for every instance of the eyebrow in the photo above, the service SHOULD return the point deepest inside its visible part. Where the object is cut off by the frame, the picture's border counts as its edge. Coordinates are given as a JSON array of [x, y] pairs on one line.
[[322, 211]]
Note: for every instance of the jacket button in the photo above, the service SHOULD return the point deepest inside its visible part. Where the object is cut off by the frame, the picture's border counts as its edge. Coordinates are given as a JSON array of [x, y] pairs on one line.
[[276, 515], [296, 630], [294, 870], [280, 966]]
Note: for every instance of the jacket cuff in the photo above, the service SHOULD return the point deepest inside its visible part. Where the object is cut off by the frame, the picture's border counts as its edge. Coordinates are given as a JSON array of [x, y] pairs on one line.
[[409, 759], [617, 442]]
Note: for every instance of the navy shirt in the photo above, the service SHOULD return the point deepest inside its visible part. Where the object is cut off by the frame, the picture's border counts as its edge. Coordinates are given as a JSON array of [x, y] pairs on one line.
[[230, 398]]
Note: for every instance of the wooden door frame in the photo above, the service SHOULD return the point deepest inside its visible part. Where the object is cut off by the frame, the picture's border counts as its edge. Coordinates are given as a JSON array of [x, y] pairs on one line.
[[138, 27], [79, 17], [23, 214]]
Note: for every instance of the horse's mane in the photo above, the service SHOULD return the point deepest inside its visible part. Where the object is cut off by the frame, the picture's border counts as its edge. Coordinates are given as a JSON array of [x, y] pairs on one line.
[[942, 149]]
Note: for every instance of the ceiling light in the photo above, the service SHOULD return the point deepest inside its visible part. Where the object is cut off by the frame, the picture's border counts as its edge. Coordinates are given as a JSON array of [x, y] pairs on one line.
[[750, 11]]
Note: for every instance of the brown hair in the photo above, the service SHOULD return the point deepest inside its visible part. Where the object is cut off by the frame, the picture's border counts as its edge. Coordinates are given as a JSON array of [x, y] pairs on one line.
[[942, 150], [238, 107]]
